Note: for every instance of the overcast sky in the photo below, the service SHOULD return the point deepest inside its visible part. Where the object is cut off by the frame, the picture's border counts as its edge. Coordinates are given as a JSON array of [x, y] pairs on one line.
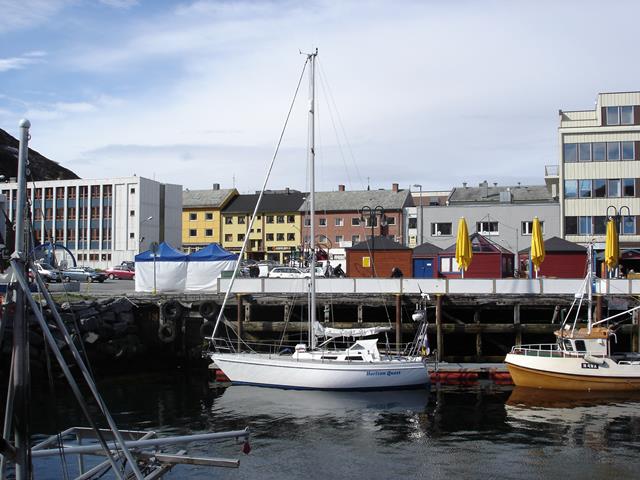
[[195, 93]]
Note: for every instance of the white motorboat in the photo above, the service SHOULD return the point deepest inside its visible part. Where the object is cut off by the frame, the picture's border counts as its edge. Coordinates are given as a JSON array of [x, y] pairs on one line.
[[359, 367]]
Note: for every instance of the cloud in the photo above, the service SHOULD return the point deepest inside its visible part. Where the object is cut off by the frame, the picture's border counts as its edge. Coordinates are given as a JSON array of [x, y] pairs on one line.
[[17, 63], [29, 13], [122, 4]]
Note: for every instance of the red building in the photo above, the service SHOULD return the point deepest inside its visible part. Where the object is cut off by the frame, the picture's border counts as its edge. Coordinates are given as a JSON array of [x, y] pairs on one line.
[[563, 259], [345, 218], [490, 260], [377, 258]]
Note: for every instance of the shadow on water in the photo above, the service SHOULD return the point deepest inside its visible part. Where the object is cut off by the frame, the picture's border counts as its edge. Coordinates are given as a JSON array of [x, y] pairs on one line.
[[467, 431]]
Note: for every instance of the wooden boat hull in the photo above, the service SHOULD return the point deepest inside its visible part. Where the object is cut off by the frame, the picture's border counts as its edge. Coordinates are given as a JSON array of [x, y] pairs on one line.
[[285, 372], [572, 374]]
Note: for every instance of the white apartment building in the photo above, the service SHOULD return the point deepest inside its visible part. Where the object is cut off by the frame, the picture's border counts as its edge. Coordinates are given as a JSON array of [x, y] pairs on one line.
[[421, 200], [600, 168], [102, 221]]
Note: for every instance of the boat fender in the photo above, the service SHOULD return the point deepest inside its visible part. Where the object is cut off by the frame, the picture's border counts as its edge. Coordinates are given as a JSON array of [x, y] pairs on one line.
[[594, 360], [172, 310], [208, 310], [206, 329], [167, 332]]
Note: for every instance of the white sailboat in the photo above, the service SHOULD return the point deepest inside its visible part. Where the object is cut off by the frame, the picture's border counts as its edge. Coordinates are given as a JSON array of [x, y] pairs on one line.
[[359, 367], [581, 358]]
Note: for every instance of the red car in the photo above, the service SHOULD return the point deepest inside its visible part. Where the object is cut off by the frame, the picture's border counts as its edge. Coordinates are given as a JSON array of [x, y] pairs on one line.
[[120, 272]]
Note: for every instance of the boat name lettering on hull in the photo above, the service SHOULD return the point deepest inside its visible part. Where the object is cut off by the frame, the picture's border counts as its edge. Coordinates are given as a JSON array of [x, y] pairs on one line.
[[388, 373], [590, 366]]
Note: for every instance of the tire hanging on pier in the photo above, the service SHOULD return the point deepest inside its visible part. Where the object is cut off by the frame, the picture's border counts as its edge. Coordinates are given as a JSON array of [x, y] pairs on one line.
[[172, 310], [208, 310]]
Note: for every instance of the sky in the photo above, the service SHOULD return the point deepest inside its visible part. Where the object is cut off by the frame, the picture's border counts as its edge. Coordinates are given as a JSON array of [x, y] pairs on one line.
[[431, 93]]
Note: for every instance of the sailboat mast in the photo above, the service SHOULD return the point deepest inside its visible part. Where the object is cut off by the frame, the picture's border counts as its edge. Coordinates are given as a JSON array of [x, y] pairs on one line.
[[312, 194], [590, 286]]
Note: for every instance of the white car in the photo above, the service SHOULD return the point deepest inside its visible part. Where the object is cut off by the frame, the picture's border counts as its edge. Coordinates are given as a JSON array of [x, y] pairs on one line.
[[286, 272]]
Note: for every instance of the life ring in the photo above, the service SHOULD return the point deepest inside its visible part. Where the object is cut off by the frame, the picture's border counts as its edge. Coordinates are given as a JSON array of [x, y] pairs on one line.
[[206, 329], [208, 310], [172, 310], [167, 332]]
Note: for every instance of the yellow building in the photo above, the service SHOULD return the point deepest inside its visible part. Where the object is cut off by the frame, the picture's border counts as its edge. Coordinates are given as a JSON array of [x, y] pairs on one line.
[[276, 232], [201, 216]]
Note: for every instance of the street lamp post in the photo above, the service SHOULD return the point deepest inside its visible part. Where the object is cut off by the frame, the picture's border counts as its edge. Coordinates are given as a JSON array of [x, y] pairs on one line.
[[367, 212], [149, 218], [421, 236]]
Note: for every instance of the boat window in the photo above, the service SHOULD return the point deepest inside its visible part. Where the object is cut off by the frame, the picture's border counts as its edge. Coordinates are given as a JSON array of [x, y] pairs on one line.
[[327, 357], [352, 357], [568, 346], [580, 346], [357, 347]]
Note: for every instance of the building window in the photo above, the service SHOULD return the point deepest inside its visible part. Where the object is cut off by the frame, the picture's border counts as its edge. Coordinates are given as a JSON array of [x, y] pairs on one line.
[[228, 237], [48, 214], [208, 216], [413, 222], [391, 220], [193, 216], [132, 213], [132, 235], [585, 188], [613, 151], [228, 220], [95, 191], [449, 264], [133, 190], [441, 229], [339, 222], [269, 237], [584, 152], [613, 116], [241, 220], [628, 151], [71, 193], [280, 219], [571, 225], [355, 221], [527, 228], [613, 188], [107, 191], [626, 115], [241, 237], [570, 152], [38, 195], [48, 193], [280, 237], [487, 228], [291, 218], [628, 187], [584, 226], [59, 193], [291, 237], [307, 222], [193, 232], [95, 213], [599, 225], [599, 188], [570, 188], [322, 221], [599, 151], [339, 239], [269, 218], [208, 232], [628, 225], [355, 239]]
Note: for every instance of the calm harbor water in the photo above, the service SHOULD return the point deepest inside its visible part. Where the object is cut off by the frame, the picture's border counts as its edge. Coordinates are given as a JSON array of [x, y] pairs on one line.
[[471, 431]]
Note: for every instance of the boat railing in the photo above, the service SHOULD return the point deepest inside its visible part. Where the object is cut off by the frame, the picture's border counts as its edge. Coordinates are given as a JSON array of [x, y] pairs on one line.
[[543, 350]]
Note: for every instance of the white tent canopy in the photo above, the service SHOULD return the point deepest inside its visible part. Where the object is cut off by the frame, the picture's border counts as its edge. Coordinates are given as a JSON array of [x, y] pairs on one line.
[[207, 265], [162, 271]]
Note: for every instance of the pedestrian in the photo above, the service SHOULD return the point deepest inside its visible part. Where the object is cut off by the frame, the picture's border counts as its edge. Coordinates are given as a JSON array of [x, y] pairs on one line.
[[338, 272], [396, 272], [328, 270]]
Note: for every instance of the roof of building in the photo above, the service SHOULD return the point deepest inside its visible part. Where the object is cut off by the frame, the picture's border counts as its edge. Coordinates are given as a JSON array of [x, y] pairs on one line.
[[354, 200], [207, 198], [481, 244], [491, 194], [271, 202], [426, 249], [557, 244], [378, 243]]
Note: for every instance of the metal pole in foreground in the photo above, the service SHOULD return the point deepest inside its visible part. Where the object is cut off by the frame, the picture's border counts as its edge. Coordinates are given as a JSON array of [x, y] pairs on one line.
[[20, 333]]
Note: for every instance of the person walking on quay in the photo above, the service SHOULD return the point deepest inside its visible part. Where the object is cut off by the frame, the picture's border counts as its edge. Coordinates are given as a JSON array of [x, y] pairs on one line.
[[396, 272]]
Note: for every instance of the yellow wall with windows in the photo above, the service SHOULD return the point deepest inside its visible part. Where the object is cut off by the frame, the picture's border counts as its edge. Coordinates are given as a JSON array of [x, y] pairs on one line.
[[206, 226]]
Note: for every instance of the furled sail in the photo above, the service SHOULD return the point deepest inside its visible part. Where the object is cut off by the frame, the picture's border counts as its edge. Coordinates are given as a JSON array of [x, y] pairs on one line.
[[321, 331]]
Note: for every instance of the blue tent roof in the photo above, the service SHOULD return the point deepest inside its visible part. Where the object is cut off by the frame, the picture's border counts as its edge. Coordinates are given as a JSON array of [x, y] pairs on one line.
[[165, 253], [212, 253]]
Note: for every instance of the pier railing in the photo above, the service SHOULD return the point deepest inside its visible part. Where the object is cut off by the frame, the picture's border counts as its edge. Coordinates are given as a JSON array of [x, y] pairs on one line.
[[500, 286]]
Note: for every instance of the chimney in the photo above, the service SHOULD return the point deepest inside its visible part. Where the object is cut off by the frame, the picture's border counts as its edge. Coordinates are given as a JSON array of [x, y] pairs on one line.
[[341, 188], [288, 190], [216, 186], [464, 184], [495, 184], [394, 187]]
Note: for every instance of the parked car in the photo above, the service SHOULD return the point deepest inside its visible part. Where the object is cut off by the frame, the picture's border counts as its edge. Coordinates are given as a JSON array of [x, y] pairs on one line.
[[128, 263], [48, 273], [120, 272], [83, 274], [287, 272]]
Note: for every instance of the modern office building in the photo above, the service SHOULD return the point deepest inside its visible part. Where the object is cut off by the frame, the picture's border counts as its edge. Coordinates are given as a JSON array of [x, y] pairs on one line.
[[201, 218], [600, 169], [413, 235], [103, 221]]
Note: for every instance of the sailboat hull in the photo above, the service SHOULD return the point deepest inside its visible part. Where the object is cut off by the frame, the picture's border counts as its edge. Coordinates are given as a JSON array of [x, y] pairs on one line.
[[572, 373], [285, 372]]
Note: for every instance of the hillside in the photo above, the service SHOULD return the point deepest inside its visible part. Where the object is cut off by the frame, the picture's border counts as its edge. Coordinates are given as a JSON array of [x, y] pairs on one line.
[[41, 167]]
